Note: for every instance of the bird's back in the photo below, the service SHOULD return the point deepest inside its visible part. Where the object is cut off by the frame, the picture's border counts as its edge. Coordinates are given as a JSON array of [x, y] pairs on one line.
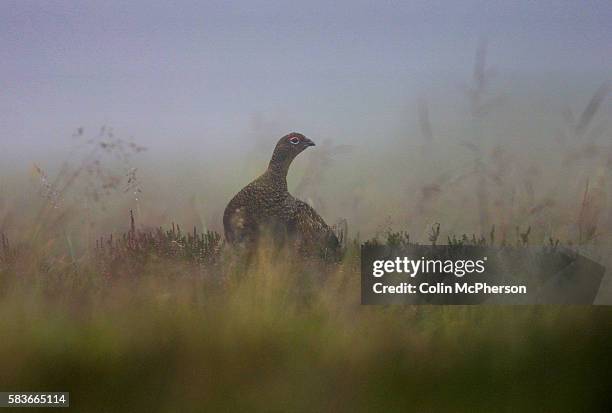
[[257, 203]]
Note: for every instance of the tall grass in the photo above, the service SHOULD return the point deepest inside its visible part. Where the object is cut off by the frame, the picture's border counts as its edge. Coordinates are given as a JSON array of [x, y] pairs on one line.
[[274, 333]]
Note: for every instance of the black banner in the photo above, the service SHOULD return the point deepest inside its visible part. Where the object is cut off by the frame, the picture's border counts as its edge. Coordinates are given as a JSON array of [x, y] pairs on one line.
[[460, 274]]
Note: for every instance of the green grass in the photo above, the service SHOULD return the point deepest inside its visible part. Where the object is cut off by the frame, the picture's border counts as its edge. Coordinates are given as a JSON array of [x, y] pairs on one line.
[[276, 335]]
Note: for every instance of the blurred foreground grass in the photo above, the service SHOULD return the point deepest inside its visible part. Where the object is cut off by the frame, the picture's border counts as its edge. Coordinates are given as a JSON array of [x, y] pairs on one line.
[[279, 336]]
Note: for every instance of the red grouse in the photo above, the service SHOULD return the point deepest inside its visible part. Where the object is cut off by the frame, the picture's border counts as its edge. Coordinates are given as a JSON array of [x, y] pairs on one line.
[[266, 206]]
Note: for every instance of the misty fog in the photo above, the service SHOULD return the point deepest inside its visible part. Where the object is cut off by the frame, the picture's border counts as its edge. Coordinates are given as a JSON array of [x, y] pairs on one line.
[[386, 92]]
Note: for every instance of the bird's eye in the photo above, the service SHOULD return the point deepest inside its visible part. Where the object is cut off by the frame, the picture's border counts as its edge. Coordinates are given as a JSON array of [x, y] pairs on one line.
[[295, 140]]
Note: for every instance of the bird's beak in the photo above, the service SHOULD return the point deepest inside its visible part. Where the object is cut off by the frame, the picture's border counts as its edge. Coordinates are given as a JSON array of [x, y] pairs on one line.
[[308, 142]]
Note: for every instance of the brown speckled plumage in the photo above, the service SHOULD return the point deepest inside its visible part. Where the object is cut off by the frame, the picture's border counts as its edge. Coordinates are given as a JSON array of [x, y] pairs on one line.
[[266, 205]]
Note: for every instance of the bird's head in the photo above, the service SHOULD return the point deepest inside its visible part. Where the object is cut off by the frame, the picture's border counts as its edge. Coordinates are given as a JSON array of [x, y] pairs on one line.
[[287, 148]]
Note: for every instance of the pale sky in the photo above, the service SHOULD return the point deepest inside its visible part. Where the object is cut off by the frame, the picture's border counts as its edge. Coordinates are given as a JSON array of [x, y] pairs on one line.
[[183, 73]]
